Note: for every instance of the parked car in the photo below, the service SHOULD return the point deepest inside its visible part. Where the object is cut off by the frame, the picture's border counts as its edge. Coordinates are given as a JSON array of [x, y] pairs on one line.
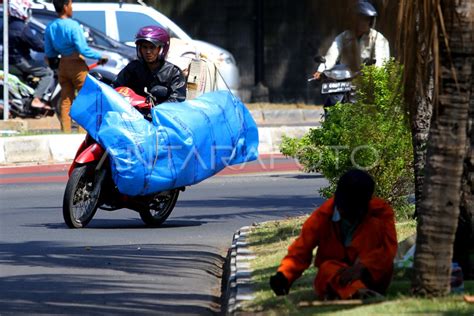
[[117, 59], [121, 21], [94, 37]]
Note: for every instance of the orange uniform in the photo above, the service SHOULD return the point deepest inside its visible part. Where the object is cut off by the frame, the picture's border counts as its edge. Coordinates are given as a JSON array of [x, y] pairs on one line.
[[374, 245]]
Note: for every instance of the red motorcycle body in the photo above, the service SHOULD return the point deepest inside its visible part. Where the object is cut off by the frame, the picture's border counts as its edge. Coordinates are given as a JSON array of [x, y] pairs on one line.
[[90, 150]]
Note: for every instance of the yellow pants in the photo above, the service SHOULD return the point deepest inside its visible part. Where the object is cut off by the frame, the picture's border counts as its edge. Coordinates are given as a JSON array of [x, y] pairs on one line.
[[72, 74]]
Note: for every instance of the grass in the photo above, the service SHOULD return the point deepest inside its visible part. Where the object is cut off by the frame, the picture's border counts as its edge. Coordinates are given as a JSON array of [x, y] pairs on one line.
[[269, 242]]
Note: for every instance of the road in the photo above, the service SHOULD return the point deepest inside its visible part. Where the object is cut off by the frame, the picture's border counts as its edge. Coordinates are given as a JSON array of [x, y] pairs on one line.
[[117, 266]]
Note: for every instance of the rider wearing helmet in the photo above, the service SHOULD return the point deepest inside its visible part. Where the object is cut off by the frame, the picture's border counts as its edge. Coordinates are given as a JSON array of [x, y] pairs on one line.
[[151, 68], [21, 39], [372, 46]]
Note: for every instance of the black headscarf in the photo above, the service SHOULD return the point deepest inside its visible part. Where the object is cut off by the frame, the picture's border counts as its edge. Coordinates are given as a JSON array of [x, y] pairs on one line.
[[353, 194]]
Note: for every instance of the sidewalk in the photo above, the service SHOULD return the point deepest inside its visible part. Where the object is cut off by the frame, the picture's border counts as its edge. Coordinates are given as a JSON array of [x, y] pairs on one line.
[[48, 145]]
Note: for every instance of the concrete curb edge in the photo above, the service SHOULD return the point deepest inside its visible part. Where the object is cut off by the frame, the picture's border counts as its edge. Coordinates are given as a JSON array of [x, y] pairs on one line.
[[239, 283]]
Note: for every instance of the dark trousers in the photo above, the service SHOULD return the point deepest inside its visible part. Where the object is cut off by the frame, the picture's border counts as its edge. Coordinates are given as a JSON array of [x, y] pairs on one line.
[[35, 68]]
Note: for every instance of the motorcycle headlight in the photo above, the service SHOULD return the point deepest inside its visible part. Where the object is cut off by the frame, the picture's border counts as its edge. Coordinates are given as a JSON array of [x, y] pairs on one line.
[[339, 74]]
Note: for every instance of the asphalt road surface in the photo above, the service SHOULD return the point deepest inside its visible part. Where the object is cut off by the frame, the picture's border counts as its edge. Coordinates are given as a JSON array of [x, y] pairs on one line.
[[117, 266]]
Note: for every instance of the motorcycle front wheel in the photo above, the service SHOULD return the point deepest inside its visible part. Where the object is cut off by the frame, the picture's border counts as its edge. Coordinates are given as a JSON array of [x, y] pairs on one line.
[[81, 198], [160, 208]]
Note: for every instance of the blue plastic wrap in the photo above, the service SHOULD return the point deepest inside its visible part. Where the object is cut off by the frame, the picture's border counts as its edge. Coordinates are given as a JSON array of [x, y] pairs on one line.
[[185, 143]]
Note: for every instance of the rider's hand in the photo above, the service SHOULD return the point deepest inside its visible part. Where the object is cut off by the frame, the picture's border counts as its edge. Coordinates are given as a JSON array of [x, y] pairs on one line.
[[279, 284], [317, 75], [103, 60]]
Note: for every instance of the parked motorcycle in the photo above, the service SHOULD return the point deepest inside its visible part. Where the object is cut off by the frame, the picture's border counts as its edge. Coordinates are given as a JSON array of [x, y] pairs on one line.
[[21, 95], [90, 185]]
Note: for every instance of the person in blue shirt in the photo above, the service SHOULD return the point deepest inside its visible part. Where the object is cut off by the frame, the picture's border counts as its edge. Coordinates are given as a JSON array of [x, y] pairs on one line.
[[65, 37], [22, 38]]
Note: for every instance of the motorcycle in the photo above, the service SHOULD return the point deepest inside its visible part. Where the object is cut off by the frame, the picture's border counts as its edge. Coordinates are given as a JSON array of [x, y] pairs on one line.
[[336, 84], [90, 185], [21, 95]]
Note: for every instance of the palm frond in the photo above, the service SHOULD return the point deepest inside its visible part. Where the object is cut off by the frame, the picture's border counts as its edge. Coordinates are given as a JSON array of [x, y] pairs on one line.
[[421, 25]]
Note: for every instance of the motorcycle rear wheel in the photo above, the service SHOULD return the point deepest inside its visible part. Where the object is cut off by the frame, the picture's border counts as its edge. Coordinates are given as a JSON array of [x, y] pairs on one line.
[[160, 208], [81, 197]]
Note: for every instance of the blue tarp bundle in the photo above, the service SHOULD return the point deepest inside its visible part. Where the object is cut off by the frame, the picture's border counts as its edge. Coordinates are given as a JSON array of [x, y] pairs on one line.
[[185, 143]]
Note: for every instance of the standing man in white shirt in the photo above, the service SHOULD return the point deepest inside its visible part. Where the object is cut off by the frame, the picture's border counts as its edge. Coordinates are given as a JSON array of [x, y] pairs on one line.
[[372, 46]]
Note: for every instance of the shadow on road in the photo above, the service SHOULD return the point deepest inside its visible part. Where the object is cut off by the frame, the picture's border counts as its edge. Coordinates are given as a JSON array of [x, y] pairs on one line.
[[138, 224], [130, 223], [298, 176], [50, 278], [251, 207], [239, 207]]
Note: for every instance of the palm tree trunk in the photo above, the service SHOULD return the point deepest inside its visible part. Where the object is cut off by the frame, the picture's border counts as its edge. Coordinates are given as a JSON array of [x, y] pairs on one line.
[[417, 56], [464, 241], [420, 127], [439, 210]]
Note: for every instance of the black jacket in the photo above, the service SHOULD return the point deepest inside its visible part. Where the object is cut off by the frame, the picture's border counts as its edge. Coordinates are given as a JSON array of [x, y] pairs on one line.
[[136, 75], [21, 39]]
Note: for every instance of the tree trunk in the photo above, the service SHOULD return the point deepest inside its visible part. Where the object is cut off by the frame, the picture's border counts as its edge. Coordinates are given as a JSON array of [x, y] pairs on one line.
[[420, 127], [421, 105], [464, 242], [441, 198]]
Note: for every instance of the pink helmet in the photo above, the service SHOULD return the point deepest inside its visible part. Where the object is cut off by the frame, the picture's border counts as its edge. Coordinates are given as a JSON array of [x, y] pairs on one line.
[[20, 9], [156, 35]]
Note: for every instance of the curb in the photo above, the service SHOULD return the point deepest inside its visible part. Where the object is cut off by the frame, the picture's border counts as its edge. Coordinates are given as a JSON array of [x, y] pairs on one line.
[[286, 116], [39, 149], [62, 148], [239, 283]]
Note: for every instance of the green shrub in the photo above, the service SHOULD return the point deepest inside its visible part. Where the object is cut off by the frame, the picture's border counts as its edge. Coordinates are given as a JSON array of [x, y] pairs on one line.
[[373, 134]]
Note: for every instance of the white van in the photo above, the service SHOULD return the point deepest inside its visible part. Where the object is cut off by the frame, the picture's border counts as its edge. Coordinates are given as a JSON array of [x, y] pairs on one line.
[[121, 21]]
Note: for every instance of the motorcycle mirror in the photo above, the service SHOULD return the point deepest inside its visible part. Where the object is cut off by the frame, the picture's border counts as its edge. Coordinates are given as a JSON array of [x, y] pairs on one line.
[[319, 59], [97, 75], [159, 92]]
